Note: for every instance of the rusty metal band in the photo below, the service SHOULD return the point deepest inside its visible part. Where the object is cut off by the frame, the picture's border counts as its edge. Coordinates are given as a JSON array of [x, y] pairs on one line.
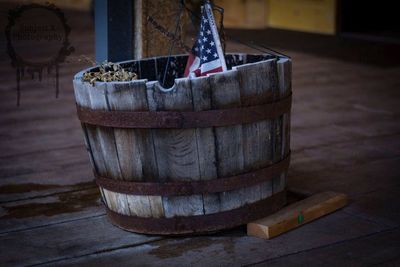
[[178, 188], [201, 223], [184, 119]]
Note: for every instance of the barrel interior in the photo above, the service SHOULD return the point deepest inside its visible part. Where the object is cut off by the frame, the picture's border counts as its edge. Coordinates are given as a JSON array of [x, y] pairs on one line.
[[153, 69], [159, 155]]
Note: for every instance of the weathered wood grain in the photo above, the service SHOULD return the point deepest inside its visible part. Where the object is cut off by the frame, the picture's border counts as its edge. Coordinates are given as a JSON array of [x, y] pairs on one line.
[[282, 125], [65, 240], [64, 179], [176, 149], [135, 157], [48, 210], [285, 87], [205, 138], [235, 248], [225, 92], [258, 81], [106, 139], [92, 142]]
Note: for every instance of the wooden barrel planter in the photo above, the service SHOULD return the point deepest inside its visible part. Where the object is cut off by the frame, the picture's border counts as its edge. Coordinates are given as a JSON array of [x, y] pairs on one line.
[[206, 154]]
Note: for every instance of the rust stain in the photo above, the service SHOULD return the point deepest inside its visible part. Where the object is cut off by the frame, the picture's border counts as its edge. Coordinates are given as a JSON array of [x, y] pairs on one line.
[[30, 187], [167, 249], [67, 202]]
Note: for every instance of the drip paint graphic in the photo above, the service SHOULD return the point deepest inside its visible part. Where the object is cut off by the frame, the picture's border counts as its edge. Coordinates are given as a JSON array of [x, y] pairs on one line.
[[37, 40]]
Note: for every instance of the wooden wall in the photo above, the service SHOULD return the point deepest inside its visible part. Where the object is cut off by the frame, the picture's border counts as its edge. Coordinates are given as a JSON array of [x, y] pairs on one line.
[[317, 16]]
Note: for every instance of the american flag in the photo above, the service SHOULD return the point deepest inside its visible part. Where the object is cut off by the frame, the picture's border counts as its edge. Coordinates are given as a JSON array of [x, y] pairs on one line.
[[206, 55]]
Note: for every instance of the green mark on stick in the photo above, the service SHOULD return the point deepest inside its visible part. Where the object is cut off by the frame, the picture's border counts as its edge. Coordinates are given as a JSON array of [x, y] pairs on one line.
[[300, 218]]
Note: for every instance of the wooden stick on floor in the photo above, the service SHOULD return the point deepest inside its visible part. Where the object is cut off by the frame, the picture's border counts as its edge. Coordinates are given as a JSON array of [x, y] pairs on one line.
[[297, 214]]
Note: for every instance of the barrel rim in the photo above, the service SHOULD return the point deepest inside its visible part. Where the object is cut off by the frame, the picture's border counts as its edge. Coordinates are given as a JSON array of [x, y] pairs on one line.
[[79, 75]]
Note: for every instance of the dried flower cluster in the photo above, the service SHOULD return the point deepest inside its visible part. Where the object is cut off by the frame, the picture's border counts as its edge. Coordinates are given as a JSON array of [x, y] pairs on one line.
[[109, 72]]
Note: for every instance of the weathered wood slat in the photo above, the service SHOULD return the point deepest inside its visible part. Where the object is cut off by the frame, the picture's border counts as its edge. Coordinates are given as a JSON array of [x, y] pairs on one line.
[[176, 149], [92, 142], [130, 144], [285, 87], [205, 138], [135, 152], [106, 139], [257, 83], [282, 124], [225, 91]]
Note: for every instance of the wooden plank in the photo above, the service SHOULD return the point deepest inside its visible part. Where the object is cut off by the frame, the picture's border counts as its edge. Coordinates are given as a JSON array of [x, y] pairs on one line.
[[225, 91], [82, 98], [201, 93], [127, 96], [364, 176], [47, 141], [176, 149], [73, 177], [65, 240], [233, 247], [282, 125], [92, 139], [136, 155], [43, 211], [106, 139], [258, 81], [29, 163], [297, 214], [378, 249], [22, 129]]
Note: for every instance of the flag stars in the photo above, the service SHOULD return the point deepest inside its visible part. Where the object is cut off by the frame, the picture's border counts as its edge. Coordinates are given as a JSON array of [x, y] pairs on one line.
[[204, 49]]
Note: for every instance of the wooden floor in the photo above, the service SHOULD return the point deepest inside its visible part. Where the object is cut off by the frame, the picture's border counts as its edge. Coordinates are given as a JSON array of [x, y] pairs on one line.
[[345, 137]]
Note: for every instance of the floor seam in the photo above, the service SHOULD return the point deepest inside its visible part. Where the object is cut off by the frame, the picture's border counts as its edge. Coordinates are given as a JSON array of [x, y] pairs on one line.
[[325, 246], [97, 252], [51, 224]]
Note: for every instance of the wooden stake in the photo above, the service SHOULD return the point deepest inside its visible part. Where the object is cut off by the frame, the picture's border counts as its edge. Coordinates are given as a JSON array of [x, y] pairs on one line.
[[147, 40], [297, 214]]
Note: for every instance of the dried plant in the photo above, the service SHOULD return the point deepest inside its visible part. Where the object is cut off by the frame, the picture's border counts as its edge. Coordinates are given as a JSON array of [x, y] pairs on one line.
[[109, 72]]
